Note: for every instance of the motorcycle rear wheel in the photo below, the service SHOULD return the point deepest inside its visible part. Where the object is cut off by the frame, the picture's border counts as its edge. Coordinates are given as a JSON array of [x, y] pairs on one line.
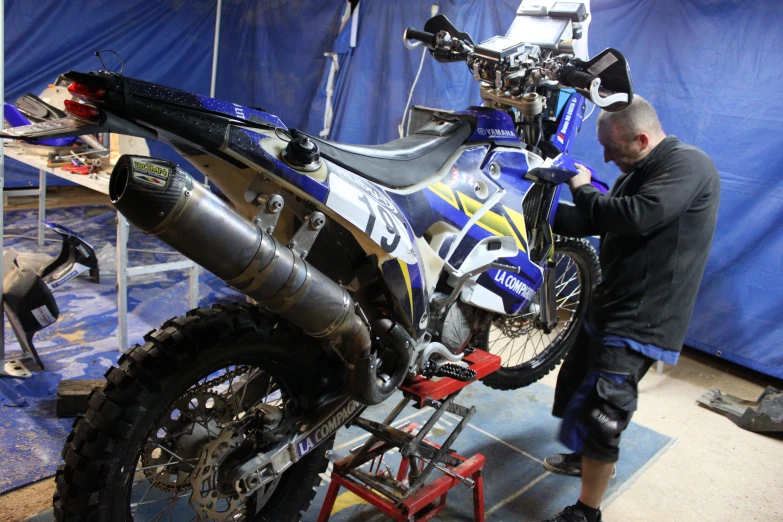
[[130, 456], [528, 353]]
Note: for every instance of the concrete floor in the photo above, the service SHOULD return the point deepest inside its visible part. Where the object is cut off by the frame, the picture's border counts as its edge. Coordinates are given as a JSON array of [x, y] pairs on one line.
[[715, 472]]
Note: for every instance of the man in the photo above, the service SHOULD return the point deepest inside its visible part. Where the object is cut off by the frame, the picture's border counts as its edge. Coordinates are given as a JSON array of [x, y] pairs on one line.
[[656, 226]]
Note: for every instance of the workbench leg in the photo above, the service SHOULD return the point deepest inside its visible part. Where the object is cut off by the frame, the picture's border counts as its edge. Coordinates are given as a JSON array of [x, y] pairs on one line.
[[122, 281], [331, 497], [41, 206], [194, 271], [478, 496]]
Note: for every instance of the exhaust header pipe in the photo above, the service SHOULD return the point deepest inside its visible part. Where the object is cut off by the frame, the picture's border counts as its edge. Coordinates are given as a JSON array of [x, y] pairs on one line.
[[166, 202]]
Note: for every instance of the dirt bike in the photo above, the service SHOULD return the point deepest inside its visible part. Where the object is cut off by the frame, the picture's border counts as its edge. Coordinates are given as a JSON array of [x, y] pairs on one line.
[[368, 265]]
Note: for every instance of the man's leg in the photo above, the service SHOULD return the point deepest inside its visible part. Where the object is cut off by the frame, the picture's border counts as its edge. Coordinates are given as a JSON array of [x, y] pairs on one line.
[[596, 475], [572, 372], [593, 421], [569, 379]]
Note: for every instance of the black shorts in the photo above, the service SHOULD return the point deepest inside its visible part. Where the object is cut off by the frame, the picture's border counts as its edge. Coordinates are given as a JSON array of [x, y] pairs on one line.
[[596, 394]]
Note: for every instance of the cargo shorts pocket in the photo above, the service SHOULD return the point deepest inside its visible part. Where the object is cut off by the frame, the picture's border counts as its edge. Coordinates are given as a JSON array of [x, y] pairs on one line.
[[609, 410]]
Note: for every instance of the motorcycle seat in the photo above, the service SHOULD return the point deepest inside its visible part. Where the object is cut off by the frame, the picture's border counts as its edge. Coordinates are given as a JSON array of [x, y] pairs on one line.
[[405, 162]]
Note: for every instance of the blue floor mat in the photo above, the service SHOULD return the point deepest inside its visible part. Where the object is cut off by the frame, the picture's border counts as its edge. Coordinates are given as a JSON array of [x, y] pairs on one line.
[[513, 430]]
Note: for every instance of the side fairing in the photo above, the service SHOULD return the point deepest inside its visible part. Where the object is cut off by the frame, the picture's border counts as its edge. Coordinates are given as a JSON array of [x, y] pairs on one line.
[[477, 180], [481, 195], [369, 208]]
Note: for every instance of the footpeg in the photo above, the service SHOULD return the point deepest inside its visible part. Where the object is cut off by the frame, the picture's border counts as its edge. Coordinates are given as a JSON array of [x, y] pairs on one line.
[[456, 372]]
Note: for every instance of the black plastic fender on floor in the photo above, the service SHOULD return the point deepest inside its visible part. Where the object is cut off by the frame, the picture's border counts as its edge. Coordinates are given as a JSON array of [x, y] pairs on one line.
[[764, 415]]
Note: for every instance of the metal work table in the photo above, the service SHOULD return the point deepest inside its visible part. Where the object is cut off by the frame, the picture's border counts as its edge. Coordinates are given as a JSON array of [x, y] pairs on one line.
[[98, 184]]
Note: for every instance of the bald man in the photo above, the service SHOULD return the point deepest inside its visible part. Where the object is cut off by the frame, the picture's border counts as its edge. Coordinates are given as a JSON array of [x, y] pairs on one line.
[[656, 226]]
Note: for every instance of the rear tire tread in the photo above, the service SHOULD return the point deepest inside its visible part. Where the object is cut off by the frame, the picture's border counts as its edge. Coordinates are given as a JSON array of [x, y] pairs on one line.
[[89, 451]]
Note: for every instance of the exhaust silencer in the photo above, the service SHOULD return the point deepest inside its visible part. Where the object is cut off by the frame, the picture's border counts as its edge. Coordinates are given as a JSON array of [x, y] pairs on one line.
[[166, 202]]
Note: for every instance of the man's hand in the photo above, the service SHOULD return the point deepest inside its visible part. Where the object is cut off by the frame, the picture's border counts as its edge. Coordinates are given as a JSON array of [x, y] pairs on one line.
[[583, 178]]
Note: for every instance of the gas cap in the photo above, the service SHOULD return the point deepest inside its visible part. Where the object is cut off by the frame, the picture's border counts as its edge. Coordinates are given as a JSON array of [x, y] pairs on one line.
[[302, 153]]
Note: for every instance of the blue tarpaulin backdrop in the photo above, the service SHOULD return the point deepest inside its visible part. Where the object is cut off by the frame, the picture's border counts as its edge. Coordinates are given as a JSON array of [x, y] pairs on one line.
[[710, 67], [166, 41]]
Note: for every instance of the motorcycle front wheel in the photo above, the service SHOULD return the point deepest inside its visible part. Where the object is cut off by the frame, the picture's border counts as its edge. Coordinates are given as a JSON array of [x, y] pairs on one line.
[[133, 454], [527, 351]]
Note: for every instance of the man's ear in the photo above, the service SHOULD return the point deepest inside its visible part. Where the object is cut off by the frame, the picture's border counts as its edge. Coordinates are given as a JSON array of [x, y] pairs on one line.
[[644, 139]]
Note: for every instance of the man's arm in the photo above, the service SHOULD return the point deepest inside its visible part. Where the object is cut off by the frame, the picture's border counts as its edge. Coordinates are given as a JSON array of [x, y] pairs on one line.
[[660, 200], [570, 221]]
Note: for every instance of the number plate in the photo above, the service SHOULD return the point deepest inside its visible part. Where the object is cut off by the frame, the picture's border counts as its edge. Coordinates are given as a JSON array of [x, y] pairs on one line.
[[44, 128], [370, 208]]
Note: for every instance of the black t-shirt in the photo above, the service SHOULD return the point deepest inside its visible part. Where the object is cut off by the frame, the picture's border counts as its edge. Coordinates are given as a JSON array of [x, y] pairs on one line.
[[656, 226]]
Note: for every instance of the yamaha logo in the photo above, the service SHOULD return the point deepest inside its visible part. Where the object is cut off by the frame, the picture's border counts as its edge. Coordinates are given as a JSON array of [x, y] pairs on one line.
[[604, 419], [496, 133]]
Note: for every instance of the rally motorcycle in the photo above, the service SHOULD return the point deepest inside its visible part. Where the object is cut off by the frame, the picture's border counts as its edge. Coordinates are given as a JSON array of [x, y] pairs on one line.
[[365, 266]]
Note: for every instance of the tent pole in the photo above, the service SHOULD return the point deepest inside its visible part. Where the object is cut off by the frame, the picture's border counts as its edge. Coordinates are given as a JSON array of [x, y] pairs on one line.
[[213, 78], [215, 50]]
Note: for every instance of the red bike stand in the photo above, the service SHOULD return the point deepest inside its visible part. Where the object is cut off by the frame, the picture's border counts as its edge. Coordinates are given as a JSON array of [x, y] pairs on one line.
[[407, 497]]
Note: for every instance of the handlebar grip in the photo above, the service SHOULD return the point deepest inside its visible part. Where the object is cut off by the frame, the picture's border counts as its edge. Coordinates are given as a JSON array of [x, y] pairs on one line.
[[573, 77], [422, 36]]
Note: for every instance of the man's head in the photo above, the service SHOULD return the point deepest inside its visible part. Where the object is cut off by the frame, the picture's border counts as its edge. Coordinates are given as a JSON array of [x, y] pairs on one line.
[[629, 135]]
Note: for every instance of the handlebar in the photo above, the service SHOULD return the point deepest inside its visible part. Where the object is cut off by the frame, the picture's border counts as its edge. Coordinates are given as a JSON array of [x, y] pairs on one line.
[[573, 77], [421, 36], [567, 71]]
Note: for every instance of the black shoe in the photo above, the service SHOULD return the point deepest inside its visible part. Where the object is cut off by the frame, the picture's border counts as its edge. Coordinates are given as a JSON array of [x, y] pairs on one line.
[[567, 464], [572, 514]]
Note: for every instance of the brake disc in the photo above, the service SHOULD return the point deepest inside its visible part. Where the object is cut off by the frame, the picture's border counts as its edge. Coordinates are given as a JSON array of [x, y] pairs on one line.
[[515, 326], [207, 498], [170, 454]]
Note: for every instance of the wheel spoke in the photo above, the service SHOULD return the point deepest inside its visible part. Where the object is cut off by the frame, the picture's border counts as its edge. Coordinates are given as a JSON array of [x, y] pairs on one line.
[[169, 452], [167, 499], [155, 466]]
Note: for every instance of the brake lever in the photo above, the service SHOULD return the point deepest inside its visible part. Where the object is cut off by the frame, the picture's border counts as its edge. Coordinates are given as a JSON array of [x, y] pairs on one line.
[[605, 101]]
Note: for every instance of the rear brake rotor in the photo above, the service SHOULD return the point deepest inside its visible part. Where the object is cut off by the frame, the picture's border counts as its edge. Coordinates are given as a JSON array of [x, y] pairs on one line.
[[172, 451]]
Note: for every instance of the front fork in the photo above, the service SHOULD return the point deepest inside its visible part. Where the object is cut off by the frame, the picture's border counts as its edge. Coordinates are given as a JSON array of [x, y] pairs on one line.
[[549, 318]]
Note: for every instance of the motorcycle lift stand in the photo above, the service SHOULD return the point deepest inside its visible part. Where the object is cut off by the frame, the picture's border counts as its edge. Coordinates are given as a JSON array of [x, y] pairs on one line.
[[406, 497]]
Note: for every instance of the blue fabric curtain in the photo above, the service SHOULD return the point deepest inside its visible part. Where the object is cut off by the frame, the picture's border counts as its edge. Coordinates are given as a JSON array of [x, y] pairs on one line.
[[343, 52], [382, 69], [166, 41], [272, 53], [710, 67], [712, 70]]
